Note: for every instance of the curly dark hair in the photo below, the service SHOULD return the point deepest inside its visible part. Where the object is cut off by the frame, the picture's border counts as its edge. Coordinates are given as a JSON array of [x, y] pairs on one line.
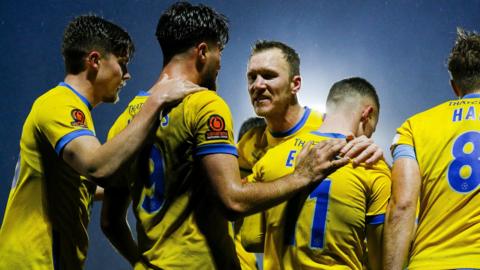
[[289, 53], [183, 25], [464, 61], [90, 32]]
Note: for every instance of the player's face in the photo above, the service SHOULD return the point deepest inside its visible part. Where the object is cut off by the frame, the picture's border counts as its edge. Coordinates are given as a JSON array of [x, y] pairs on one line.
[[112, 76], [269, 83], [212, 66]]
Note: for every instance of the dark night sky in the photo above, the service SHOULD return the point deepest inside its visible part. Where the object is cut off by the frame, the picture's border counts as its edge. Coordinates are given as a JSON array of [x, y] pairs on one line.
[[401, 47]]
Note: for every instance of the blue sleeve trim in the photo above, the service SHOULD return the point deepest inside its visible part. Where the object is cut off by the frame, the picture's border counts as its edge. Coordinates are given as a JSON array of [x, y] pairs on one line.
[[295, 128], [70, 136], [404, 151], [215, 149], [376, 219], [82, 98]]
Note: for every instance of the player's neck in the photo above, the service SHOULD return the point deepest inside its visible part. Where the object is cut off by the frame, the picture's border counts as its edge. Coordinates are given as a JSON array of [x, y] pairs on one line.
[[181, 70], [83, 86], [345, 124], [287, 119]]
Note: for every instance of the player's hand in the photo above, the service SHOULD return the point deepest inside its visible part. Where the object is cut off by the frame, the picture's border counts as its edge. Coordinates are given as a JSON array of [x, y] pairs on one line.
[[318, 161], [171, 91], [362, 149]]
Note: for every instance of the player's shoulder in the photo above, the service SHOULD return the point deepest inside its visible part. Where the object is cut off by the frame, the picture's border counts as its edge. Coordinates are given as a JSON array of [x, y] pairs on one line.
[[316, 114], [203, 96], [55, 95], [432, 111], [136, 103], [380, 167]]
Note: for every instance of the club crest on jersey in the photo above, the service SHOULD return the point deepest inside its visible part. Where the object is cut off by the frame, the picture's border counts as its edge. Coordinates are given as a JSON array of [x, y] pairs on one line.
[[216, 126], [78, 118]]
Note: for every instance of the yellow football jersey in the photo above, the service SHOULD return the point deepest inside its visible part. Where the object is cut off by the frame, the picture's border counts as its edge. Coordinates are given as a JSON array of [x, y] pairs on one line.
[[255, 143], [251, 147], [446, 143], [179, 225], [323, 228], [48, 208]]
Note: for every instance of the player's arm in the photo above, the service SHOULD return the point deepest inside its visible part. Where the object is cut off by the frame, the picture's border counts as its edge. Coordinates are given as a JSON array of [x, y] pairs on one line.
[[374, 243], [400, 218], [98, 162], [240, 198], [115, 225], [252, 232]]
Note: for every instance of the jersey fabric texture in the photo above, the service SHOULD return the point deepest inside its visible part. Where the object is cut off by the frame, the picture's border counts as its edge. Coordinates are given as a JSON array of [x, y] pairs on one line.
[[255, 143], [48, 208], [179, 223], [446, 142], [322, 228], [251, 147]]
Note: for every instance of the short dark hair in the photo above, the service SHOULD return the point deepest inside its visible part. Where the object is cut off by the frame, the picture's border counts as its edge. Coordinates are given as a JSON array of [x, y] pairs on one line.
[[351, 86], [250, 123], [183, 25], [464, 60], [291, 56], [90, 32]]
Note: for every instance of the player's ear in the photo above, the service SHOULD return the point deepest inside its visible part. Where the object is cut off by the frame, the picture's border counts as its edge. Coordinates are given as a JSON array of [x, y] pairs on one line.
[[93, 59], [296, 84], [367, 113], [201, 51], [455, 88]]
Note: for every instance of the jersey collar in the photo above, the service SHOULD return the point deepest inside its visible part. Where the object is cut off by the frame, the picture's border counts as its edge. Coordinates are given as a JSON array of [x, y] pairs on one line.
[[84, 99], [295, 128], [330, 134], [472, 95]]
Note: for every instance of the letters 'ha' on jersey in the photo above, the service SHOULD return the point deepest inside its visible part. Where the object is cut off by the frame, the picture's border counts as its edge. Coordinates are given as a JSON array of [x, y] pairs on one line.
[[324, 228], [178, 226], [446, 142], [255, 143], [48, 209]]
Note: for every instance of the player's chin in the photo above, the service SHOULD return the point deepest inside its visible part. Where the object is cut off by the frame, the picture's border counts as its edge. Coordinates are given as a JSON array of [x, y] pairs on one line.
[[261, 110], [112, 99]]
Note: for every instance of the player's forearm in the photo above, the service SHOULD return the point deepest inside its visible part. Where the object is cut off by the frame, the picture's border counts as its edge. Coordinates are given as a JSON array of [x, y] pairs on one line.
[[249, 198], [109, 158], [398, 232]]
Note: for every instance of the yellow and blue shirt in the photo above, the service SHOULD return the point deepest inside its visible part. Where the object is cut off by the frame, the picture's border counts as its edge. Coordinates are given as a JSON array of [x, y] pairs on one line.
[[251, 147], [179, 225], [48, 208], [256, 142], [445, 141], [325, 227]]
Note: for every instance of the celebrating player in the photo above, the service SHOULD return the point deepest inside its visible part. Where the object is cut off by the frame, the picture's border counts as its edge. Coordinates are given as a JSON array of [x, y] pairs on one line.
[[325, 226], [436, 165], [61, 160], [189, 179]]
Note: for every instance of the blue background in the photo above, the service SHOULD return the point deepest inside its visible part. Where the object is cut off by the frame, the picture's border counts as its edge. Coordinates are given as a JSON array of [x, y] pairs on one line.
[[401, 47]]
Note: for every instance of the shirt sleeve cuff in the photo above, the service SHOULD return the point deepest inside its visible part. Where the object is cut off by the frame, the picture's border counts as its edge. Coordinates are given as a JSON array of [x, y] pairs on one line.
[[375, 219], [69, 137], [215, 149]]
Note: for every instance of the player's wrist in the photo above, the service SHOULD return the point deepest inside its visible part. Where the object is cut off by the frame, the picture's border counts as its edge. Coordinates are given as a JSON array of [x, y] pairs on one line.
[[303, 178]]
